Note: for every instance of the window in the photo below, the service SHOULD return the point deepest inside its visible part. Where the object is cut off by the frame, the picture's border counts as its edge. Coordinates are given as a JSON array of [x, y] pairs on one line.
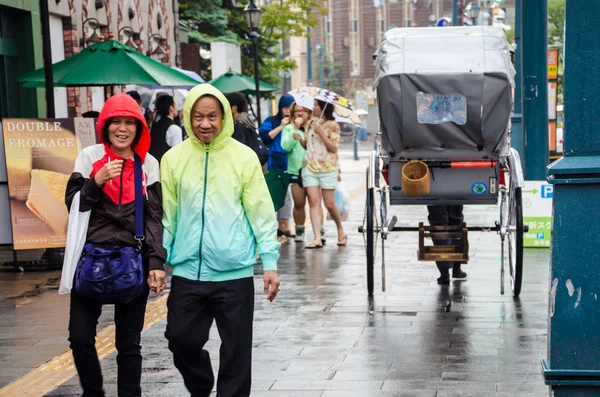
[[380, 23], [329, 43], [441, 108], [354, 26]]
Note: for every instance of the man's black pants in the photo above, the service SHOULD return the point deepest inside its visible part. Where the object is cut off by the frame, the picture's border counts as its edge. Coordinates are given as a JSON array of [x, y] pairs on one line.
[[129, 322], [445, 215], [192, 307]]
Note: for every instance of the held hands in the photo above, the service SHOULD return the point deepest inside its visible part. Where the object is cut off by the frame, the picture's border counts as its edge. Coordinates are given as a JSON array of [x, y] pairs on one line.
[[271, 284], [318, 129], [111, 170], [157, 280]]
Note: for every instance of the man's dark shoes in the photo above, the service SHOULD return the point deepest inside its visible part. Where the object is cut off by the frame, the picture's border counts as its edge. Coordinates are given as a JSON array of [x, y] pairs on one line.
[[444, 279], [458, 273]]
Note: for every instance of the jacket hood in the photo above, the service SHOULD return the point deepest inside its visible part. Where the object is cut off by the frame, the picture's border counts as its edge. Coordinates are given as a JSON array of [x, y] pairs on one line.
[[285, 101], [125, 106], [245, 119], [190, 100]]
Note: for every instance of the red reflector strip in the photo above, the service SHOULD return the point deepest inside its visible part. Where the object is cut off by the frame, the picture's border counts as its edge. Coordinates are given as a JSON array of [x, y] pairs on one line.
[[472, 164]]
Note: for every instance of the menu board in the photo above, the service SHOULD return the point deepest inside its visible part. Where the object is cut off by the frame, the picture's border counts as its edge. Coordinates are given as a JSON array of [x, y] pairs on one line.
[[40, 156]]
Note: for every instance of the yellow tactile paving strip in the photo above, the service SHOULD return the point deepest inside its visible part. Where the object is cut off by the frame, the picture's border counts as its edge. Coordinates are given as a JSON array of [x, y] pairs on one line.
[[55, 372]]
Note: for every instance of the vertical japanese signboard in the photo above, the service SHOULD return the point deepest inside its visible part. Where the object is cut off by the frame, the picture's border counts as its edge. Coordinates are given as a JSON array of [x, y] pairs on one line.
[[537, 213], [40, 155], [552, 100]]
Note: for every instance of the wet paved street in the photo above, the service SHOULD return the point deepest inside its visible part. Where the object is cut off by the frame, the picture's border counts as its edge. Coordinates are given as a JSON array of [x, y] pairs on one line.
[[318, 338]]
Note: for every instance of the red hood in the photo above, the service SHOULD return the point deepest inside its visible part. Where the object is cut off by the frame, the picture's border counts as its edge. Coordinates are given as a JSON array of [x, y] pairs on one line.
[[125, 106]]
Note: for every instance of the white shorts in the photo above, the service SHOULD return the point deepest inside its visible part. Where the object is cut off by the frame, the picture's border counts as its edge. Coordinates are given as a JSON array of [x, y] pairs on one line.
[[324, 180]]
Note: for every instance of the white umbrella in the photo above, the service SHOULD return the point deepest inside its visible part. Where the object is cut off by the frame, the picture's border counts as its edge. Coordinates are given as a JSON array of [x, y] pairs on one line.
[[342, 106], [304, 99]]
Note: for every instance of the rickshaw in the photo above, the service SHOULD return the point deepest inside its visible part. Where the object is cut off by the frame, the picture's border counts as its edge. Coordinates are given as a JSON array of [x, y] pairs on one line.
[[445, 98]]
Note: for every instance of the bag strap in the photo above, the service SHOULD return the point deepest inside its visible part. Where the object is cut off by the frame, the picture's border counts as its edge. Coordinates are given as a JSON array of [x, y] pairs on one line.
[[139, 200]]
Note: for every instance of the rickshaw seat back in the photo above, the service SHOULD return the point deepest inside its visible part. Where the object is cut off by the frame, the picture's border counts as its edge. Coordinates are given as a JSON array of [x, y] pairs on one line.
[[444, 93], [448, 186]]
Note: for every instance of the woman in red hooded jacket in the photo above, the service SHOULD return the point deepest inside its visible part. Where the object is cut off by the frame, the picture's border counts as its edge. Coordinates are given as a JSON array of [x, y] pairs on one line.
[[103, 183]]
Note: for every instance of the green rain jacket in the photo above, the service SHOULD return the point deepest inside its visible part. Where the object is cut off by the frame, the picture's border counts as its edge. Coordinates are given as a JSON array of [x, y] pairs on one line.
[[216, 205], [296, 153]]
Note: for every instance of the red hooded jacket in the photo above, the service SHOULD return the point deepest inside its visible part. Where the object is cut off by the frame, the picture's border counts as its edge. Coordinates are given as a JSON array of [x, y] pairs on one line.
[[112, 220]]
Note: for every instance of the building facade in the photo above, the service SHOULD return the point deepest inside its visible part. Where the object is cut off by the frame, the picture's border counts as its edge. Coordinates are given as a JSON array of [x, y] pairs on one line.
[[352, 30], [149, 26]]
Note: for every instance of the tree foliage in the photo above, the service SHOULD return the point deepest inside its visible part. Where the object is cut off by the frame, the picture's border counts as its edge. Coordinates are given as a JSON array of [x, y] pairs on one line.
[[223, 20], [556, 22], [332, 76], [207, 20]]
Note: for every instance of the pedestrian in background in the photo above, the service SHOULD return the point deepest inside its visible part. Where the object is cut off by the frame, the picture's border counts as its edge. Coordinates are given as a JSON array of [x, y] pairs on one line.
[[447, 215], [103, 185], [165, 132], [145, 111], [244, 129], [293, 141], [217, 212], [270, 132]]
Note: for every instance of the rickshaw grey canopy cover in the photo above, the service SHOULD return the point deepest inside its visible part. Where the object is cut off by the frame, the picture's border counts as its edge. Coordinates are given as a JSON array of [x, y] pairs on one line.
[[444, 92]]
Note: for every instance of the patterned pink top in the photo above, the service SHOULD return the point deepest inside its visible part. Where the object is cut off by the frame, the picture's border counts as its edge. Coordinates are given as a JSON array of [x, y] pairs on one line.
[[319, 159]]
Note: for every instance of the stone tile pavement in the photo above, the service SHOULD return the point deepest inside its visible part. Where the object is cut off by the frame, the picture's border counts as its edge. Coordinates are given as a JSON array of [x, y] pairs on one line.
[[318, 338]]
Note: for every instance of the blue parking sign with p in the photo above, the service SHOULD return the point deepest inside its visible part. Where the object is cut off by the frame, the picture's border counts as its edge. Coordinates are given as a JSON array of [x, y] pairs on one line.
[[442, 22], [547, 191]]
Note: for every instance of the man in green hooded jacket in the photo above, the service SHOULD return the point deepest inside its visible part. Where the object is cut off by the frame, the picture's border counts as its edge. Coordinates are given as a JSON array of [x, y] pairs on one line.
[[216, 212]]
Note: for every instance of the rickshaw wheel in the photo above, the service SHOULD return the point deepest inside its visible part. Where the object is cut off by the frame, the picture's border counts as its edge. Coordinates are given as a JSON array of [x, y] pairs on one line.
[[370, 237], [515, 239]]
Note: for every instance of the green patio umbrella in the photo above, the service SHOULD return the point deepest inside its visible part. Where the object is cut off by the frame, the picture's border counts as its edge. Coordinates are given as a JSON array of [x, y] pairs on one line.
[[109, 63], [237, 82]]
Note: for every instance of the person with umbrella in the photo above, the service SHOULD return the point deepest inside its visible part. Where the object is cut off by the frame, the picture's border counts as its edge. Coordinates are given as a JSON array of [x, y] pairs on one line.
[[270, 132], [320, 177]]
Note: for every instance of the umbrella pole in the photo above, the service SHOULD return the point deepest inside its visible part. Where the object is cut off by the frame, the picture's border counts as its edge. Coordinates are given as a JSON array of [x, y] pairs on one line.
[[47, 54], [323, 111]]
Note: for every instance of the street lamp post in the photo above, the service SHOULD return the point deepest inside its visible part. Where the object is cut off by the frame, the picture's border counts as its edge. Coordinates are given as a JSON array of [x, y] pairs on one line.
[[457, 9], [309, 77], [253, 14], [473, 10], [516, 133], [127, 31], [159, 52], [535, 88], [94, 37]]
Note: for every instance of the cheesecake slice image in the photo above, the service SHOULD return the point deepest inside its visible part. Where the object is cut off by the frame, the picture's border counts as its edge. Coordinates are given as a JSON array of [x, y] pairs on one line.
[[47, 199]]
